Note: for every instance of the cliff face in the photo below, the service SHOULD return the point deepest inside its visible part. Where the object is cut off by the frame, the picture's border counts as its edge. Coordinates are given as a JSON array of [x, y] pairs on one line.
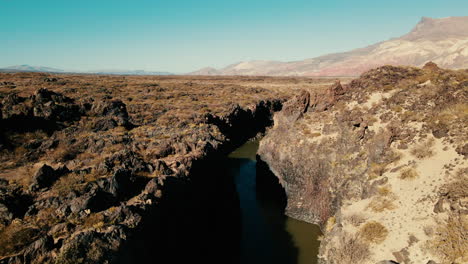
[[376, 162]]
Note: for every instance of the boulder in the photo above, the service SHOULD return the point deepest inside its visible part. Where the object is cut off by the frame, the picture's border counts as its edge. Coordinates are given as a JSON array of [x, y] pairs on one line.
[[114, 109], [294, 108], [46, 176]]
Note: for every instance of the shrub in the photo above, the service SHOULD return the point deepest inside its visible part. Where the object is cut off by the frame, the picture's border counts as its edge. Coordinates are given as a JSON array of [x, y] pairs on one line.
[[423, 150], [409, 174], [330, 223], [15, 236], [384, 190], [450, 242], [379, 204], [458, 188], [377, 169], [356, 219], [373, 232], [349, 249], [94, 220]]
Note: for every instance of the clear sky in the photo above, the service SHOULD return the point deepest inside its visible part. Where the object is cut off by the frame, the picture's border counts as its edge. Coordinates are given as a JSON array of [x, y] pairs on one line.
[[184, 35]]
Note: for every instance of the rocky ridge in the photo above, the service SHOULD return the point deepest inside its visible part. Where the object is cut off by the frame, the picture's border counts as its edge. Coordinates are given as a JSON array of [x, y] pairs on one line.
[[81, 176], [380, 164]]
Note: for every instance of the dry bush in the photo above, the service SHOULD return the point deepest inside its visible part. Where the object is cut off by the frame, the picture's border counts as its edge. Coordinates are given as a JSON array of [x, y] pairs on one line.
[[379, 204], [458, 188], [63, 154], [384, 190], [67, 183], [356, 219], [94, 220], [349, 249], [330, 223], [377, 170], [409, 174], [373, 232], [457, 111], [16, 236], [450, 242], [423, 150]]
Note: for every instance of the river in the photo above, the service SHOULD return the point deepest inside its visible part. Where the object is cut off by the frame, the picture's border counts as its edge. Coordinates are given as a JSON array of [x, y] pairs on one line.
[[268, 236], [229, 211]]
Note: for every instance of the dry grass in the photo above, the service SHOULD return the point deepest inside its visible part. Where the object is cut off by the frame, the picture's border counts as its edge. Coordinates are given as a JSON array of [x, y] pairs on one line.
[[423, 150], [458, 187], [450, 242], [373, 232], [377, 169], [330, 223], [94, 220], [67, 183], [349, 249], [356, 219], [457, 111], [16, 236], [384, 190], [409, 174], [380, 204]]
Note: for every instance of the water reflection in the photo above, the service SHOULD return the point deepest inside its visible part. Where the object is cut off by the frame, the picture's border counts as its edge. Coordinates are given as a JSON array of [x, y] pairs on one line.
[[268, 236]]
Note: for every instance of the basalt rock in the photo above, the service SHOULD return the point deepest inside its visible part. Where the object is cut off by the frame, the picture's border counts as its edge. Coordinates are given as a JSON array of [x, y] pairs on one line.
[[44, 110], [343, 154], [114, 110], [118, 177], [46, 176]]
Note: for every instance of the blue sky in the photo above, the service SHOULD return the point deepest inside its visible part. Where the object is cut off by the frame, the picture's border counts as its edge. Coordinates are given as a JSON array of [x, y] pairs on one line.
[[181, 36]]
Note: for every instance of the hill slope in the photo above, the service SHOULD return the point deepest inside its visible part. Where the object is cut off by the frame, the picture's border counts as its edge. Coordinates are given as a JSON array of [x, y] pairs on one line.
[[444, 41]]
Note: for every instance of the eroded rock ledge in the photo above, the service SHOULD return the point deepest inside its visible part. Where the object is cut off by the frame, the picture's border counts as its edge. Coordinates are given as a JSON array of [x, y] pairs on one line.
[[374, 163], [98, 179]]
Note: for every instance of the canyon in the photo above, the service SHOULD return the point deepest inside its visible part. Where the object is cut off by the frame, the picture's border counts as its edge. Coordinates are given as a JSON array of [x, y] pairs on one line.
[[95, 167], [118, 169]]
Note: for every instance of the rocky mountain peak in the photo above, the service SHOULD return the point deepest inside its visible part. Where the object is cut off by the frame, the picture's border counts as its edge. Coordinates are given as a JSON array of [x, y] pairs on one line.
[[438, 29]]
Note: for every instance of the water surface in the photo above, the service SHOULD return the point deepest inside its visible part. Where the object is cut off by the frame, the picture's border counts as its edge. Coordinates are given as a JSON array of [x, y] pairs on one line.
[[230, 211], [267, 235]]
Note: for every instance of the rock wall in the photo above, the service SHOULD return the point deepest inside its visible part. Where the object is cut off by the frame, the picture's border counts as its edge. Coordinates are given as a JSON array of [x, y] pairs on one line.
[[366, 161]]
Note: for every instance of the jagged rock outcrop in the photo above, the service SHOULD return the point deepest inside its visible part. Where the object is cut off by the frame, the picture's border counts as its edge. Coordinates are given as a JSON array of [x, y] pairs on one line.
[[370, 155], [90, 181], [46, 176]]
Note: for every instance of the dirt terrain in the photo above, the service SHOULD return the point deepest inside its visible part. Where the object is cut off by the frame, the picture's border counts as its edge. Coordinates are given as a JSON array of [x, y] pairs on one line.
[[380, 163], [84, 159]]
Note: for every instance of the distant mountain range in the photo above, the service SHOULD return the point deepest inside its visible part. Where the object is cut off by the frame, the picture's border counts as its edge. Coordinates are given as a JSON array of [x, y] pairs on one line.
[[443, 41], [28, 68]]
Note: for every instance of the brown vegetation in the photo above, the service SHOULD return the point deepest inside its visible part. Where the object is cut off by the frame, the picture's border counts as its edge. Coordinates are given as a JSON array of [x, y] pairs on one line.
[[373, 232], [450, 242], [423, 150], [349, 249], [408, 174]]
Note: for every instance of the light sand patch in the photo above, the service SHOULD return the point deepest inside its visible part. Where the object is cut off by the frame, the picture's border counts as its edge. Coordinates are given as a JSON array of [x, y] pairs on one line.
[[414, 200]]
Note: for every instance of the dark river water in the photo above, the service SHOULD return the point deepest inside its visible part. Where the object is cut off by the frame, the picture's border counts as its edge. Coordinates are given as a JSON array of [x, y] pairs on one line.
[[231, 211], [268, 236]]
